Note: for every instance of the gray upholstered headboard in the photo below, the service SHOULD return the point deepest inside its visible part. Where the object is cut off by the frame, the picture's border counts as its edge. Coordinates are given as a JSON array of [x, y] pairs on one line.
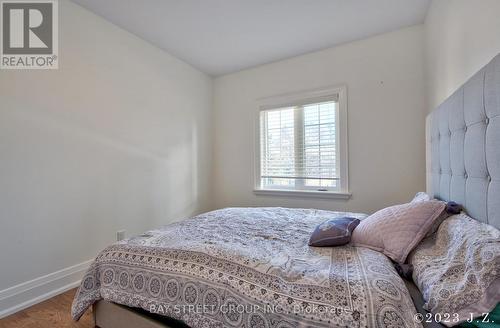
[[463, 146]]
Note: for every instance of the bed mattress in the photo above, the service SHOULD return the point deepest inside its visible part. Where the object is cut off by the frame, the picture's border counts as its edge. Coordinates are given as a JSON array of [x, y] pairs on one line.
[[249, 267]]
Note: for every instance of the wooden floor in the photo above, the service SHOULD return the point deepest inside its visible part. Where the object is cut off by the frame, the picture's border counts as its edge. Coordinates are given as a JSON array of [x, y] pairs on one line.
[[53, 313]]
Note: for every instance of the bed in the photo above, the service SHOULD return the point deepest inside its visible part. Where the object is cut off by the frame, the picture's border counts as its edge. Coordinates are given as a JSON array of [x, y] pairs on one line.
[[251, 267], [255, 261]]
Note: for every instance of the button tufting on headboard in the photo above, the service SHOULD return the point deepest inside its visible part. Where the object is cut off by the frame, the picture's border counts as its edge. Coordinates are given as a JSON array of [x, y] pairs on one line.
[[463, 143]]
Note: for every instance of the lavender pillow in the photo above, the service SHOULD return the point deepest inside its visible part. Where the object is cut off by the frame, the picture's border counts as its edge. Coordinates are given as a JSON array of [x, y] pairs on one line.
[[333, 232], [396, 230]]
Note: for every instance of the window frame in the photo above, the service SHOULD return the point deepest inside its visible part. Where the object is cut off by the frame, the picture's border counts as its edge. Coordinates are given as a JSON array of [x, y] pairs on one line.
[[300, 99]]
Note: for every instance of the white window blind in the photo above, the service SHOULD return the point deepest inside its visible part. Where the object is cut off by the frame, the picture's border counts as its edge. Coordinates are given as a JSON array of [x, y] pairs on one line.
[[299, 146]]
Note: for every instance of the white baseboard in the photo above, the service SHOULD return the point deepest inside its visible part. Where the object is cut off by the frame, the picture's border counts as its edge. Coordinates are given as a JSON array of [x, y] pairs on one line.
[[26, 294]]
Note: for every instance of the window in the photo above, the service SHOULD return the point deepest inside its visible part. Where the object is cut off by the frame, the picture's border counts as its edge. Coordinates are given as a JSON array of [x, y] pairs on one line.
[[302, 144]]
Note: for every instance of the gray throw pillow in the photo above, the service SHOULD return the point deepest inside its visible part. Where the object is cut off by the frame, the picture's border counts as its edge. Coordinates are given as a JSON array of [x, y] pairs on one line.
[[333, 232]]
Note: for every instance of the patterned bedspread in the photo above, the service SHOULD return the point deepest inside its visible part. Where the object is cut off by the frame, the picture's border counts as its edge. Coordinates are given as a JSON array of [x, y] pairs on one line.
[[249, 267]]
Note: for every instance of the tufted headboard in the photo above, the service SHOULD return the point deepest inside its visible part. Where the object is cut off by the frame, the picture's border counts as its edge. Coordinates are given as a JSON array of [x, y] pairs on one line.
[[463, 146]]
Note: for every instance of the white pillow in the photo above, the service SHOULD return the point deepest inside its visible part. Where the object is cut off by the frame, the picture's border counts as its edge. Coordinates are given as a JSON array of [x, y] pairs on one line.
[[421, 197], [458, 269]]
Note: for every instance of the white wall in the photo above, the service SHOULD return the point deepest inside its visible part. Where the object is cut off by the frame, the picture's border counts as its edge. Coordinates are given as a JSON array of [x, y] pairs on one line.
[[461, 36], [386, 109], [118, 138]]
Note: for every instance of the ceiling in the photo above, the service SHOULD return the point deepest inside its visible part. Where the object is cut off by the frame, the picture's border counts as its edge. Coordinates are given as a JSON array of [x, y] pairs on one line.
[[224, 36]]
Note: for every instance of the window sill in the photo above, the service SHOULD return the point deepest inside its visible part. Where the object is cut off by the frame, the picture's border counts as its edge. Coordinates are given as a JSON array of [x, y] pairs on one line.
[[303, 193]]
